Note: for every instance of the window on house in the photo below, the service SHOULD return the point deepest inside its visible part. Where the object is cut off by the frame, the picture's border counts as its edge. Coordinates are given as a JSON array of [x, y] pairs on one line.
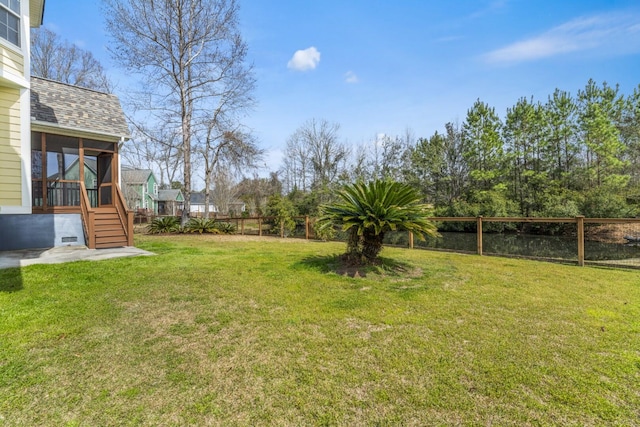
[[10, 21]]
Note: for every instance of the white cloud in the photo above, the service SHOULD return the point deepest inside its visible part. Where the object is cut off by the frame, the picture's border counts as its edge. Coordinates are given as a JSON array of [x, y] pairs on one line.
[[351, 77], [304, 60], [489, 9], [613, 33]]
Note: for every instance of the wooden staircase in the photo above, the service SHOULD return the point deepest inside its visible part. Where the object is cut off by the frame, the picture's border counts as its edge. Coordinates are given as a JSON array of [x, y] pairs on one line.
[[106, 226], [109, 230]]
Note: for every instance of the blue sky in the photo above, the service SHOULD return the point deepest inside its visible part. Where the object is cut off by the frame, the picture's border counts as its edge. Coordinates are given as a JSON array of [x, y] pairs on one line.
[[377, 66]]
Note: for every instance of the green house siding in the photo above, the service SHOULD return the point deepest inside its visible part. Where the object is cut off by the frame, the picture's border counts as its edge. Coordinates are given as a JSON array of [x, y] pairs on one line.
[[151, 195], [140, 189]]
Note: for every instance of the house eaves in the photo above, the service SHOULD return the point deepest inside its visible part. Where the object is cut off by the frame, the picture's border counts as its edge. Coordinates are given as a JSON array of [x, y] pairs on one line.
[[36, 12]]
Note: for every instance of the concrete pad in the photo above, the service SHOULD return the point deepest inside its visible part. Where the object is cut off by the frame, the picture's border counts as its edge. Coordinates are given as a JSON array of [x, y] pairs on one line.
[[60, 254]]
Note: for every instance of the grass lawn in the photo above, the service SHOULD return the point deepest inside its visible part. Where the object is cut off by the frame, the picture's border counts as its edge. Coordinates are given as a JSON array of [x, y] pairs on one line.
[[236, 332]]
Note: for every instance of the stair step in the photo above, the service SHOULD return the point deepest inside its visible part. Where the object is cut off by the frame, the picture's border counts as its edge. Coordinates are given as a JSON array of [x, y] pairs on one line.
[[110, 245], [110, 233], [114, 223], [111, 239]]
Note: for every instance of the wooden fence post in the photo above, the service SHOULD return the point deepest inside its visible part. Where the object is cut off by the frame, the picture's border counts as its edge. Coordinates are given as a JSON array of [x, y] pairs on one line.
[[580, 222], [242, 227], [306, 227], [479, 233], [259, 226], [411, 240]]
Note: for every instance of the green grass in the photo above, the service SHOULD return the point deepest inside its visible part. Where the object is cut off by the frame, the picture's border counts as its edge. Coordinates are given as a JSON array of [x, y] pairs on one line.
[[223, 332]]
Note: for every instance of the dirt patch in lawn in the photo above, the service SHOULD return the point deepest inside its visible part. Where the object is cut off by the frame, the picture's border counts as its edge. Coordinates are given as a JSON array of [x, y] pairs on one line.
[[228, 237], [381, 267]]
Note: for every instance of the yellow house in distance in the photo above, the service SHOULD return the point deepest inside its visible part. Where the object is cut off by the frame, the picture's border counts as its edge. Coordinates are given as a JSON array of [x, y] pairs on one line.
[[59, 162]]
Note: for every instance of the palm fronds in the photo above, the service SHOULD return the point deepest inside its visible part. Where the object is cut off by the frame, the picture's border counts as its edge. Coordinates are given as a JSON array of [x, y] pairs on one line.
[[367, 211]]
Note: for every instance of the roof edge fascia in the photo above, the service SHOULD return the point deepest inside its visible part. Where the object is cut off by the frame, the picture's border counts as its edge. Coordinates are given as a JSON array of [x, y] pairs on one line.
[[47, 127]]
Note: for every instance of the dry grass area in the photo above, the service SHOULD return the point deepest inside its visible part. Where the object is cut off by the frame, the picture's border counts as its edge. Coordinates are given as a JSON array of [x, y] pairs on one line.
[[239, 330]]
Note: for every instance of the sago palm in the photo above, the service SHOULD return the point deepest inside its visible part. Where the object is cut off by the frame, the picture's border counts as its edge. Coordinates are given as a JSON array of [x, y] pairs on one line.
[[367, 211], [201, 225], [167, 224]]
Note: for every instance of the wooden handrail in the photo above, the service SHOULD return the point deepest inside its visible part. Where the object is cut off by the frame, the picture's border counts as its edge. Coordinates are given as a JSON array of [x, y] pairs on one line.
[[121, 215], [125, 215], [87, 215]]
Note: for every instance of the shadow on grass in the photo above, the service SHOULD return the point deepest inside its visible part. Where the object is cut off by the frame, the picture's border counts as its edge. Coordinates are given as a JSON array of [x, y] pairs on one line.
[[10, 280], [338, 265]]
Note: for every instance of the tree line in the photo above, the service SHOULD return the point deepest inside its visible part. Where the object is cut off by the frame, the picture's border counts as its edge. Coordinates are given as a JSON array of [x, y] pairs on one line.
[[567, 156]]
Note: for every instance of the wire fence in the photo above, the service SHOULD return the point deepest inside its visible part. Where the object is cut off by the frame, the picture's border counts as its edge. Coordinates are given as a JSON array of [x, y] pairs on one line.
[[584, 241]]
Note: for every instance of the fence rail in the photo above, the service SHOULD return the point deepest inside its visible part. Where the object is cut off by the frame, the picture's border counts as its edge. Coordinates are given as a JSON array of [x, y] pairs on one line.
[[591, 238]]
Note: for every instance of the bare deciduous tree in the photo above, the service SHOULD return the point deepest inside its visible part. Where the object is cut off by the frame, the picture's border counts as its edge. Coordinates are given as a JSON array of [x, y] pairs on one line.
[[156, 149], [314, 155], [57, 59], [225, 190], [188, 53], [255, 192], [227, 150]]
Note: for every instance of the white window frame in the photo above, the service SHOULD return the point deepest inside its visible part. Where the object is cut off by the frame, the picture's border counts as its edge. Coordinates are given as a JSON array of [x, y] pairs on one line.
[[6, 9]]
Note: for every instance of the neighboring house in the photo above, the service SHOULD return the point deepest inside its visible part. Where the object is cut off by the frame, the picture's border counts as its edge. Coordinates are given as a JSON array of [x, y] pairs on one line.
[[197, 205], [140, 189], [170, 202], [55, 139]]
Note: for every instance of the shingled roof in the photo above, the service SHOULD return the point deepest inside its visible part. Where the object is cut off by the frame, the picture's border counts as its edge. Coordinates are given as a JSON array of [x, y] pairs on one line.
[[168, 195], [77, 110], [135, 176]]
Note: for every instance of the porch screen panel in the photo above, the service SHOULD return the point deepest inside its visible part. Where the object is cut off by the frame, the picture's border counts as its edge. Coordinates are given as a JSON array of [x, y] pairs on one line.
[[91, 178], [63, 171], [106, 195], [105, 177]]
